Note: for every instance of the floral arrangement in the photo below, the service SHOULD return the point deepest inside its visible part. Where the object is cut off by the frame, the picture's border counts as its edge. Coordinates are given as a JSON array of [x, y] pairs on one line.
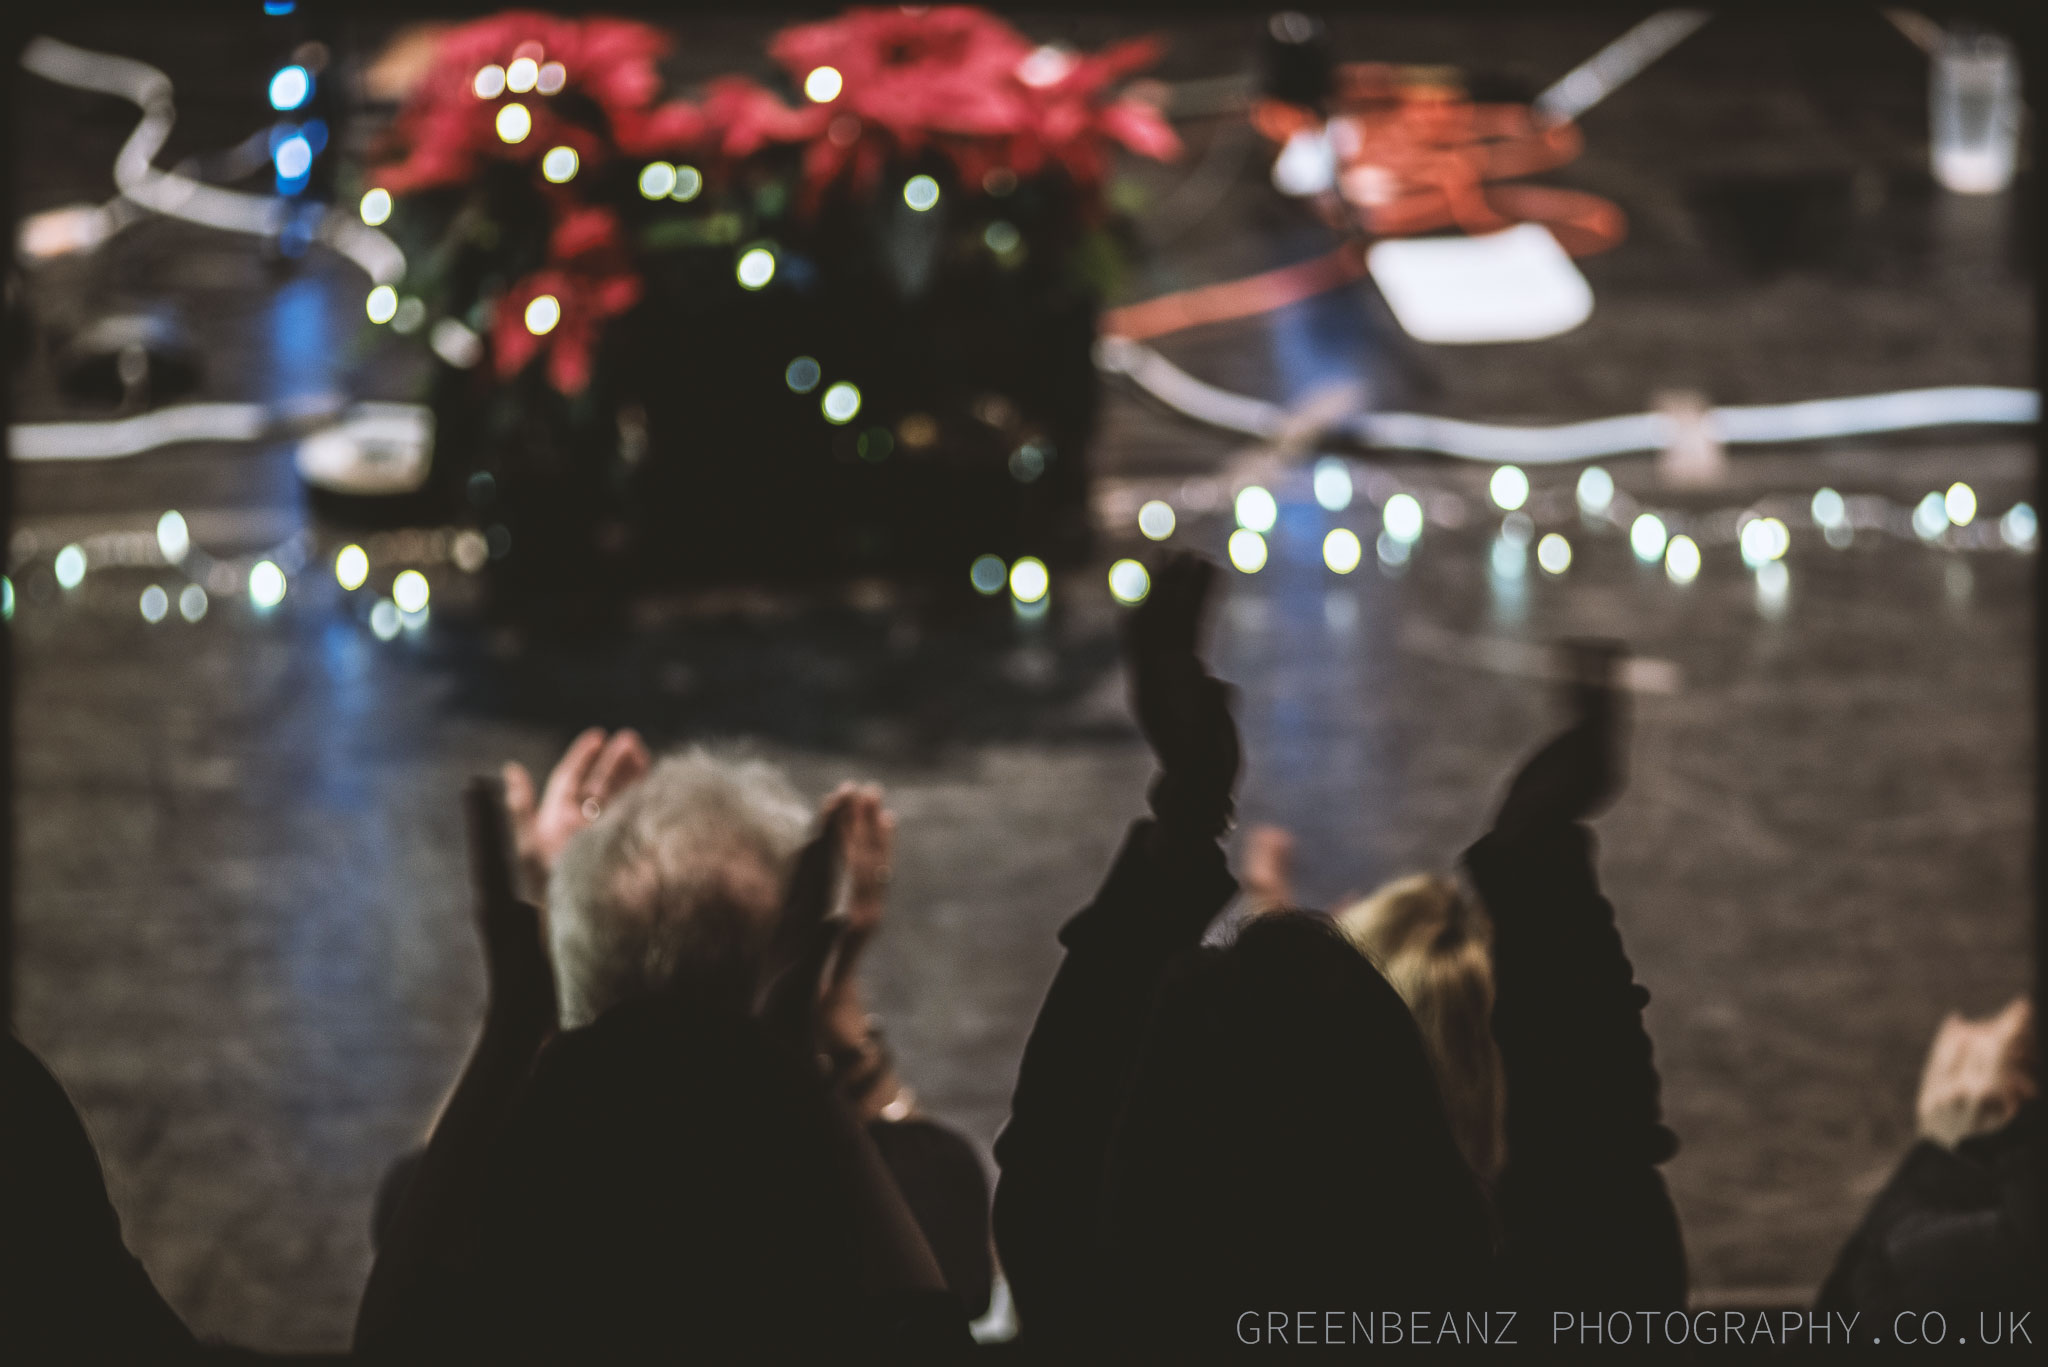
[[552, 167]]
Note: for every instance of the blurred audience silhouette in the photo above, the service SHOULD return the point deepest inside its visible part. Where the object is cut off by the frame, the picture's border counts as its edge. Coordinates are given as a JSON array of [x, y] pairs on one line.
[[680, 1134]]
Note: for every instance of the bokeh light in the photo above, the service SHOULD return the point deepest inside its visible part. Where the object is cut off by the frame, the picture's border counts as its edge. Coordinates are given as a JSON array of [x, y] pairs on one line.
[[1001, 237], [1763, 539], [657, 178], [1930, 517], [266, 584], [756, 267], [382, 305], [689, 184], [351, 567], [1392, 551], [1256, 510], [920, 192], [543, 311], [470, 550], [410, 591], [1509, 487], [553, 76], [1027, 463], [294, 157], [290, 87], [1554, 554], [1596, 490], [803, 374], [841, 402], [1510, 558], [173, 537], [1772, 582], [71, 566], [1682, 560], [192, 602], [1647, 537], [559, 166], [1332, 483], [823, 85], [376, 206], [1129, 582], [1342, 551], [522, 75], [1961, 502], [2018, 528], [1830, 509], [489, 83], [514, 123], [156, 604], [987, 574], [1029, 579], [1156, 520], [384, 619], [1247, 550], [1401, 519]]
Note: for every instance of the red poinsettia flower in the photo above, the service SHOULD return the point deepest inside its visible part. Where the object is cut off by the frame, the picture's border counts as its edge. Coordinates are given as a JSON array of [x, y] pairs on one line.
[[951, 77], [451, 126], [591, 281]]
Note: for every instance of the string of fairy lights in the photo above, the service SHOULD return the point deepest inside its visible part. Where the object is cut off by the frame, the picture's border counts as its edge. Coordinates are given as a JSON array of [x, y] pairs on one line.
[[1538, 524]]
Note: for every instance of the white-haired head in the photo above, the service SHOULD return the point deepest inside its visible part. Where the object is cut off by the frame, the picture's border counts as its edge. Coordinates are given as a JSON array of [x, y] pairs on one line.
[[680, 879]]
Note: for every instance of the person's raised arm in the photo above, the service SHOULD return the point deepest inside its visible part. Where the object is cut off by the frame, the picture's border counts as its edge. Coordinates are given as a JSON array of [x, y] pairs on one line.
[[912, 1316], [1582, 1205], [1168, 882], [429, 1242]]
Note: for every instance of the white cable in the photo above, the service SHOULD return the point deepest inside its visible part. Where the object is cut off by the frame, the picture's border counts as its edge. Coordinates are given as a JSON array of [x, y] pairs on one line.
[[1178, 390], [1740, 425], [1894, 412], [177, 196], [149, 89], [1613, 66], [375, 253], [130, 436], [1500, 444]]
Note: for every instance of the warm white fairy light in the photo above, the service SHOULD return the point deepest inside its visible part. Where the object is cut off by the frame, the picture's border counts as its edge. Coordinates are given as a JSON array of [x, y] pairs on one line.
[[1342, 551], [1247, 550], [823, 85], [1129, 582], [542, 313], [559, 166], [1156, 520], [514, 123]]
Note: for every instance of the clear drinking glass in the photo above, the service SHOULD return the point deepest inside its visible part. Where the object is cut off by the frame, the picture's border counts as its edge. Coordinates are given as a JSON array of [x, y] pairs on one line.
[[1973, 106]]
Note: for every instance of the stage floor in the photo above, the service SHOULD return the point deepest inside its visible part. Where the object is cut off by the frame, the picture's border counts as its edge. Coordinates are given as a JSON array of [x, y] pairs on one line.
[[242, 936]]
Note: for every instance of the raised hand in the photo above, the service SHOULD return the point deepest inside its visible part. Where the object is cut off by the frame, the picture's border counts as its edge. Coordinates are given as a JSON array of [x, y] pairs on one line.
[[1183, 711], [517, 970], [1581, 771], [1978, 1074], [868, 851], [590, 774], [807, 932], [1268, 869]]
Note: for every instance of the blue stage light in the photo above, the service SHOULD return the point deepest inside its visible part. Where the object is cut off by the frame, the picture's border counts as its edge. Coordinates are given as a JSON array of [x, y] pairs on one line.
[[277, 7], [291, 87], [294, 157]]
